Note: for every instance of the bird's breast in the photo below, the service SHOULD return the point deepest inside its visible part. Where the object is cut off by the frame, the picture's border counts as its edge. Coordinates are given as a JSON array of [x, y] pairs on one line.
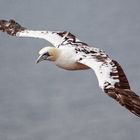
[[70, 64], [67, 59]]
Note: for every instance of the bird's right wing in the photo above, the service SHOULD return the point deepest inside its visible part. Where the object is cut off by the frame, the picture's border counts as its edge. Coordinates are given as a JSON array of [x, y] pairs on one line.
[[15, 29], [112, 80]]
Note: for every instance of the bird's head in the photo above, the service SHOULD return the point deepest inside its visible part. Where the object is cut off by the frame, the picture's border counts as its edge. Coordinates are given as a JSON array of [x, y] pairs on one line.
[[47, 53]]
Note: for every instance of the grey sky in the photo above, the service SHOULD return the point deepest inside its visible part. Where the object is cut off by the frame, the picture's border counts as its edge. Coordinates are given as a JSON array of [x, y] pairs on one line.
[[43, 102]]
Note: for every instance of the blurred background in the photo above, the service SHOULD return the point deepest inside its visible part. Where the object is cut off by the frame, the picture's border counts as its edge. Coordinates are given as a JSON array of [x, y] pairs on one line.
[[43, 102]]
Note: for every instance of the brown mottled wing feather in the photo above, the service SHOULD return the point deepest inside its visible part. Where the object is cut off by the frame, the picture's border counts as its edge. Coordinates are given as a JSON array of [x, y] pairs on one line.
[[123, 94], [126, 98], [56, 38], [123, 84], [11, 27]]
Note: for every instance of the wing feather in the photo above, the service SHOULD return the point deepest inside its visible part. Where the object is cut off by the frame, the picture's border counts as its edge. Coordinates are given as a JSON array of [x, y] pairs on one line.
[[113, 80], [127, 98], [105, 69], [15, 29]]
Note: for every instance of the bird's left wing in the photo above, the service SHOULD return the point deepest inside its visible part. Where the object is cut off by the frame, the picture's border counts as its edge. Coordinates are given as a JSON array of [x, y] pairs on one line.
[[111, 78], [56, 38]]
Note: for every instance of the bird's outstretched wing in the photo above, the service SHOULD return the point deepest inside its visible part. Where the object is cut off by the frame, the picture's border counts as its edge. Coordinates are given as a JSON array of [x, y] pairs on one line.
[[111, 77], [56, 38]]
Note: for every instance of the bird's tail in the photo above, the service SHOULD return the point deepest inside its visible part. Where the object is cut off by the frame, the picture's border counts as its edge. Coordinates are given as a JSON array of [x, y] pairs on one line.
[[126, 98]]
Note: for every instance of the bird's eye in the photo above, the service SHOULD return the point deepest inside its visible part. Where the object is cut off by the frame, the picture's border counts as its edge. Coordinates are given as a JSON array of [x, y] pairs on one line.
[[46, 54]]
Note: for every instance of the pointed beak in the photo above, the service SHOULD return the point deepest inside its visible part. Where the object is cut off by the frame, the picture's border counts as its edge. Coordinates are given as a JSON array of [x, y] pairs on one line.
[[39, 59], [42, 57]]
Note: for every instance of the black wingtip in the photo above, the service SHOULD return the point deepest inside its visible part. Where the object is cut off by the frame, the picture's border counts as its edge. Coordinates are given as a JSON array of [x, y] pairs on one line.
[[11, 27], [126, 98]]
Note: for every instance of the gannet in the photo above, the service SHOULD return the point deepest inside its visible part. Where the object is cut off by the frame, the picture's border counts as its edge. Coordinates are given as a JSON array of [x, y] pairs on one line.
[[70, 53]]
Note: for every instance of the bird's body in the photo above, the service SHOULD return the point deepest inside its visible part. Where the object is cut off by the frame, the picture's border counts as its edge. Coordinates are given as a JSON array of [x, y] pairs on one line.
[[70, 53], [66, 60], [70, 64]]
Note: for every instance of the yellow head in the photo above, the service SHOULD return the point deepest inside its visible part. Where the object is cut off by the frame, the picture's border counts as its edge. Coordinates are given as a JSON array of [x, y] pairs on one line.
[[47, 53]]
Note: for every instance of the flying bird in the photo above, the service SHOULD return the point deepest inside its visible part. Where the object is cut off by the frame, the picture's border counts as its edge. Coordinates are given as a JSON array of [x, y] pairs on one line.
[[69, 53]]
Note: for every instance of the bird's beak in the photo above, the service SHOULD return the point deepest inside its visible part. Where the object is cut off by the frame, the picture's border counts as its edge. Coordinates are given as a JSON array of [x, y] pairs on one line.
[[39, 59], [42, 57]]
